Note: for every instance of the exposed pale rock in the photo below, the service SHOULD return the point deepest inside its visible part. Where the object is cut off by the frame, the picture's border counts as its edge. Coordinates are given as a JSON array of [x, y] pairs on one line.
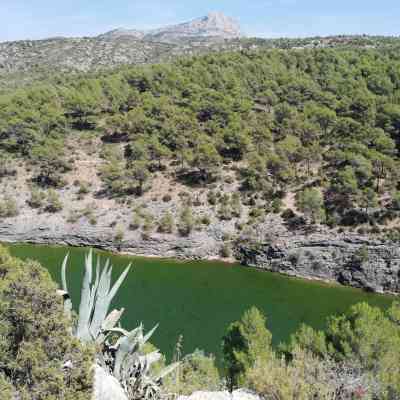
[[214, 24], [106, 387], [236, 395]]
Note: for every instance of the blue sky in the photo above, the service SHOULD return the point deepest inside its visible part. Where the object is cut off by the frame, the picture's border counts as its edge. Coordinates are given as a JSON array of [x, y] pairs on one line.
[[33, 19]]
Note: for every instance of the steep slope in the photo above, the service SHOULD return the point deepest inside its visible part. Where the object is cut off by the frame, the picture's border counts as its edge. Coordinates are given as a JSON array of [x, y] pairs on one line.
[[213, 25]]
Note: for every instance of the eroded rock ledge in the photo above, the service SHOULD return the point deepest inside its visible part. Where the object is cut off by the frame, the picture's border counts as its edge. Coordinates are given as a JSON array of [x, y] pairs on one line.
[[349, 259]]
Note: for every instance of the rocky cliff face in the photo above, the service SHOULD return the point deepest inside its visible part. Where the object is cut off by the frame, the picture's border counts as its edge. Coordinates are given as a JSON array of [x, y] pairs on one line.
[[349, 259]]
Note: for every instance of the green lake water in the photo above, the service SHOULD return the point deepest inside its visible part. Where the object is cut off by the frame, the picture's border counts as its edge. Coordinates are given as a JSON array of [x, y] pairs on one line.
[[200, 299]]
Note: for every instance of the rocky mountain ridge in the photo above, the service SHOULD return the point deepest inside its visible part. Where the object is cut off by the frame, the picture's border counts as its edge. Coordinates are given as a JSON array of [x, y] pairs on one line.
[[215, 24]]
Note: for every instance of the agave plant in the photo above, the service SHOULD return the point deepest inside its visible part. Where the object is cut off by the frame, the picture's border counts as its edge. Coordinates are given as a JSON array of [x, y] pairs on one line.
[[120, 352]]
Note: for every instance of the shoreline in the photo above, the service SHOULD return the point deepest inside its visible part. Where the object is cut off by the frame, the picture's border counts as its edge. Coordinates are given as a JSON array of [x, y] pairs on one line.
[[229, 262]]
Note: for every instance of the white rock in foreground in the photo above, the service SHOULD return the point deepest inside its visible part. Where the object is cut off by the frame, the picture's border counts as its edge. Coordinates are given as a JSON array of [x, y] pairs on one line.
[[106, 387], [236, 395]]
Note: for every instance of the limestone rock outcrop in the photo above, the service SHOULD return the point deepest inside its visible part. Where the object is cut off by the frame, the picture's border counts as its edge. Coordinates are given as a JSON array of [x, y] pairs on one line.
[[235, 395]]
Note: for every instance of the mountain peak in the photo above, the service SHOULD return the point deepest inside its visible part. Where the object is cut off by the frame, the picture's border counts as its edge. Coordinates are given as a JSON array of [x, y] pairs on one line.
[[215, 24]]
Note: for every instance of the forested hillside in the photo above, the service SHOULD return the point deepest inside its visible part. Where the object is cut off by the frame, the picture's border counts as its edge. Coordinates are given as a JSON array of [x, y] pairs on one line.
[[312, 132], [23, 62]]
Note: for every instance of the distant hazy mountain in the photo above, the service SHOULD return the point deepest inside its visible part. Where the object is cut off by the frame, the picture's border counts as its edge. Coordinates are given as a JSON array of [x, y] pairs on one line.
[[214, 24], [26, 60]]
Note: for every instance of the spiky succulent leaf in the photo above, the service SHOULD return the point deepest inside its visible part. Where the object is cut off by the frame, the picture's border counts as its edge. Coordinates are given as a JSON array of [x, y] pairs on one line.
[[65, 294], [112, 319], [145, 339], [118, 283], [166, 371], [87, 300], [64, 273], [127, 345]]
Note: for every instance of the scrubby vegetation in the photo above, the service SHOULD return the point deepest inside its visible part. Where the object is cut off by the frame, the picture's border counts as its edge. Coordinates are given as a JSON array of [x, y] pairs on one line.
[[357, 356], [39, 359], [322, 124]]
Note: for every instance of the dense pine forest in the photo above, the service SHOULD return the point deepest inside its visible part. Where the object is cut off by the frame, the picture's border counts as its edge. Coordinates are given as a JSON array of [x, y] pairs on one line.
[[323, 124]]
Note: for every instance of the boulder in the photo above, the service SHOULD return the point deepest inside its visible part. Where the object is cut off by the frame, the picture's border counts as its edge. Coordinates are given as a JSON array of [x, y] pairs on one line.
[[240, 394], [106, 387]]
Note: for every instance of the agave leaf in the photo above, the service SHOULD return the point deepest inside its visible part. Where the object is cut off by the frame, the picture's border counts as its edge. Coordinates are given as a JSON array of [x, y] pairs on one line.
[[166, 371], [87, 298], [123, 332], [151, 358], [149, 334], [118, 284], [101, 305], [64, 274], [98, 270], [125, 346], [112, 320]]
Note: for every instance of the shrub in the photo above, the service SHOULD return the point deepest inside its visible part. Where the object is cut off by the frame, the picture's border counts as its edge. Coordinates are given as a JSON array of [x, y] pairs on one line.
[[205, 220], [236, 205], [224, 212], [197, 372], [35, 337], [354, 217], [311, 203], [166, 223], [186, 222], [135, 223], [288, 214], [305, 377], [396, 201], [256, 212], [167, 198], [226, 250], [212, 198], [53, 202], [246, 341], [8, 208], [37, 198], [119, 235], [148, 226], [84, 189], [276, 205]]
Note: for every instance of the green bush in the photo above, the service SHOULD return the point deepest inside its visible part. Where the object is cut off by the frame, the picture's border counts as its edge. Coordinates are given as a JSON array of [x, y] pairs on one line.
[[119, 235], [362, 346], [135, 223], [37, 198], [197, 372], [84, 189], [226, 250], [212, 198], [35, 337], [311, 203], [54, 204], [186, 222], [166, 223], [245, 342], [8, 208]]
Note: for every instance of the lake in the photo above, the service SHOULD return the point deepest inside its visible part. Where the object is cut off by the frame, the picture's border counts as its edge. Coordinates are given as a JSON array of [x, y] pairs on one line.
[[200, 299]]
